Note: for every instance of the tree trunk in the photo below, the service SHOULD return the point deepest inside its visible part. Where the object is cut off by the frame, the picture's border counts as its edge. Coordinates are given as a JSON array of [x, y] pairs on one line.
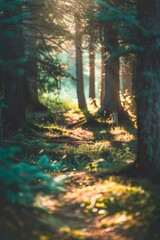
[[31, 88], [13, 50], [92, 75], [148, 90], [102, 95], [79, 68], [111, 103]]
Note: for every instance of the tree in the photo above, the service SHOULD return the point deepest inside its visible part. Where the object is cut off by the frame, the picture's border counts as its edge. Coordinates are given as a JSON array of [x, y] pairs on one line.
[[79, 67], [111, 103], [43, 37], [30, 44], [13, 71], [148, 88], [112, 34], [79, 14], [92, 74], [102, 93], [141, 33]]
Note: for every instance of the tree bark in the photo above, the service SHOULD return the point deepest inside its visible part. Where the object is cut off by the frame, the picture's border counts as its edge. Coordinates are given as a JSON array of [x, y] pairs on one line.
[[102, 95], [13, 50], [31, 86], [111, 103], [92, 75], [79, 68], [148, 89]]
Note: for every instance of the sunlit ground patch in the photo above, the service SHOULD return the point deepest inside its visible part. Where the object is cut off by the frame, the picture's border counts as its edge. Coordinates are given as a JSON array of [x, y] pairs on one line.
[[107, 209], [121, 134], [115, 207]]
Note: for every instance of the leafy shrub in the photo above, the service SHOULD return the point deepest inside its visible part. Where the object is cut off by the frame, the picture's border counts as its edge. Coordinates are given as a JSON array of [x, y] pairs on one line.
[[20, 183]]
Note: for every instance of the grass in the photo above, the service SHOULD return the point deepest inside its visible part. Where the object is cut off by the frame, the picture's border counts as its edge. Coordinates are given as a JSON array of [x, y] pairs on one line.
[[110, 208], [96, 147], [92, 207], [100, 156]]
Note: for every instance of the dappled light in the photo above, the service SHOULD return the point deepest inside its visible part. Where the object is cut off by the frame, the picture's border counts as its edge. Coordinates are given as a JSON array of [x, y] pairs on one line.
[[79, 120], [122, 135], [114, 208]]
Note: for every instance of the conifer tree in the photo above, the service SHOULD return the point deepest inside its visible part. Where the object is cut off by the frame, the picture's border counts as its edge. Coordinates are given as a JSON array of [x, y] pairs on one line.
[[148, 88], [13, 71]]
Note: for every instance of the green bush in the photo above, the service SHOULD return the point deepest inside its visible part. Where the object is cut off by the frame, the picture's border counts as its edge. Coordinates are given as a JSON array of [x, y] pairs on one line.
[[20, 184]]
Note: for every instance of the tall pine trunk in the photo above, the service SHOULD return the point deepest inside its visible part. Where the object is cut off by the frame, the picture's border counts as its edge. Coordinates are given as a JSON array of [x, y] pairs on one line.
[[31, 86], [102, 93], [79, 68], [111, 103], [92, 75], [13, 53], [148, 89]]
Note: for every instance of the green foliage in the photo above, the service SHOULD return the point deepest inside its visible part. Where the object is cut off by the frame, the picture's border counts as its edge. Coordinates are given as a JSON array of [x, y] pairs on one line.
[[58, 105], [98, 157], [21, 183], [50, 69], [11, 62], [123, 16]]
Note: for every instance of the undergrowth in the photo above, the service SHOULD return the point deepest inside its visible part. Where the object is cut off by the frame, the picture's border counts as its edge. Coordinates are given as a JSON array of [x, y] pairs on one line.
[[113, 208], [109, 150], [21, 184], [98, 157]]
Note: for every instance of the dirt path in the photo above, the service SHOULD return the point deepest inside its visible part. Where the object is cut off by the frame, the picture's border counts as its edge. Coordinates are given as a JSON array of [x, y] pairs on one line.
[[94, 207], [95, 204], [108, 209]]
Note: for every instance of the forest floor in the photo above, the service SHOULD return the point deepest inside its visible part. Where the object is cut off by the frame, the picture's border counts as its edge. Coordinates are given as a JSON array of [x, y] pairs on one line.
[[96, 203]]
